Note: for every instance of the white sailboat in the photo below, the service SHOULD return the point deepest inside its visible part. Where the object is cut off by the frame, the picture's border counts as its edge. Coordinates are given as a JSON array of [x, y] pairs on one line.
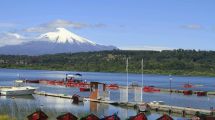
[[18, 89]]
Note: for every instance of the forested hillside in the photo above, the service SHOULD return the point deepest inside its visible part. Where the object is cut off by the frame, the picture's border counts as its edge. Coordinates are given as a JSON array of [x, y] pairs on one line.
[[181, 62]]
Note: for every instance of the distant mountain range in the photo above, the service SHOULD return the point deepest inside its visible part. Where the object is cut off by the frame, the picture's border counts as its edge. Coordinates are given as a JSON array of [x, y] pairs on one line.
[[60, 41]]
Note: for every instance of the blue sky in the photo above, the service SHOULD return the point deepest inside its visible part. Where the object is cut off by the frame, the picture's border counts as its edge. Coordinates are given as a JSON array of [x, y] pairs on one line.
[[127, 24]]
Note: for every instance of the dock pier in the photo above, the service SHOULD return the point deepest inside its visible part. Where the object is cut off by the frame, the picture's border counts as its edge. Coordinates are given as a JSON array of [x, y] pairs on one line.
[[155, 107]]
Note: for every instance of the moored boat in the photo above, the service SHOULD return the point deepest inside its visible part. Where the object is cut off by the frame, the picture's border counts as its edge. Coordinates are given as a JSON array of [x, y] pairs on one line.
[[151, 89], [18, 89], [113, 86]]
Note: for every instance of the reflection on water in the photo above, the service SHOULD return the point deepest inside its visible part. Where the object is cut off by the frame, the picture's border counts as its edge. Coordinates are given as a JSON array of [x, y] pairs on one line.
[[19, 108]]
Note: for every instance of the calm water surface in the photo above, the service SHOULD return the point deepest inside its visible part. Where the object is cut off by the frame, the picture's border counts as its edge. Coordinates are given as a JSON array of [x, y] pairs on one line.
[[19, 108]]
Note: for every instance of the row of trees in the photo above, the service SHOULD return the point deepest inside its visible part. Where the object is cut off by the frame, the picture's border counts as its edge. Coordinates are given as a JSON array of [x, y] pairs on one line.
[[186, 62]]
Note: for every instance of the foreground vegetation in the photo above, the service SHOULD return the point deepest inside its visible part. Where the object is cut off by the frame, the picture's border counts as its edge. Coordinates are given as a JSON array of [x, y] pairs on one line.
[[178, 62]]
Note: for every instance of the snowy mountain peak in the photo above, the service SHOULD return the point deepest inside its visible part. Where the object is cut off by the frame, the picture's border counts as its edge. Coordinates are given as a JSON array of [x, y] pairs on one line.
[[63, 35]]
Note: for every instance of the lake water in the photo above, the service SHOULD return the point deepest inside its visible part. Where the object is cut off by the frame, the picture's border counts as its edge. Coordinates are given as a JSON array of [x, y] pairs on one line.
[[20, 107]]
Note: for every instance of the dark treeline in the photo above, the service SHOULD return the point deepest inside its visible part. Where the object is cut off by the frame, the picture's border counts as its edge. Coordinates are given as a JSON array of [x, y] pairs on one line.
[[181, 62]]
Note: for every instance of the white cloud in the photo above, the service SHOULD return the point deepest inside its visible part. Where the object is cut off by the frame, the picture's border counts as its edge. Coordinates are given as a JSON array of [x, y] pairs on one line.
[[50, 26], [10, 39], [154, 48]]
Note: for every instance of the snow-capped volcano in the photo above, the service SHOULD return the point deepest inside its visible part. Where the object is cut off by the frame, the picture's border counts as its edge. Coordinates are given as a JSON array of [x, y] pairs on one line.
[[59, 41], [63, 35]]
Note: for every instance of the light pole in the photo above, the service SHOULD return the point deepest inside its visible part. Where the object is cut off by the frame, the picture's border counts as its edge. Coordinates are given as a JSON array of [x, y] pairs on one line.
[[142, 81], [127, 76]]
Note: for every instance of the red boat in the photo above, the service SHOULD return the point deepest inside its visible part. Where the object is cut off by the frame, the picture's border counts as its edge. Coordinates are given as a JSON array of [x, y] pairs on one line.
[[51, 82], [90, 117], [44, 81], [61, 83], [84, 89], [140, 116], [113, 86], [188, 85], [150, 89], [67, 116], [38, 115], [202, 93], [188, 92]]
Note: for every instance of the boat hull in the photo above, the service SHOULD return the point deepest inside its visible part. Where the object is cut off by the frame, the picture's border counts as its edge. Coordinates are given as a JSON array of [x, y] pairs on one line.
[[18, 91]]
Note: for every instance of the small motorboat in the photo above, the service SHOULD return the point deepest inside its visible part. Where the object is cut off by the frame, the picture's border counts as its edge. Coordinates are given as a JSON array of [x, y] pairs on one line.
[[140, 116], [38, 115], [18, 89], [67, 116]]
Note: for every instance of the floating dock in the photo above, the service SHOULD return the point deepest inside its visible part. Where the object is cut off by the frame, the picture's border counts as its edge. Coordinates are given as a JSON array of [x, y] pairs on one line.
[[156, 107]]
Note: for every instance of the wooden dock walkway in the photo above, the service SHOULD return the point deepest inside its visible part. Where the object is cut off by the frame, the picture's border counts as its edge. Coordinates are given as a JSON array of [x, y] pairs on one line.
[[156, 107]]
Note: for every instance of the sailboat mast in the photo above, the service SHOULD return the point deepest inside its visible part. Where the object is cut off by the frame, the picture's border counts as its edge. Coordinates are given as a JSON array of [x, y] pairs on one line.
[[127, 76], [142, 81]]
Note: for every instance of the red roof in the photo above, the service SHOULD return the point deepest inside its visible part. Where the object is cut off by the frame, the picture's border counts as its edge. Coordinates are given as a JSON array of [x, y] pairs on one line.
[[67, 116], [165, 117], [140, 116], [90, 117], [38, 115]]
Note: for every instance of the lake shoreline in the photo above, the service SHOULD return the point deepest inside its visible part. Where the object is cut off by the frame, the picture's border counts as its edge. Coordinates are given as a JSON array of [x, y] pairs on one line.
[[156, 72]]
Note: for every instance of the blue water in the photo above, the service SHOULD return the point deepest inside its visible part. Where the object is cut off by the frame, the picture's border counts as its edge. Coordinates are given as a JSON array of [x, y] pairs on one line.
[[21, 107]]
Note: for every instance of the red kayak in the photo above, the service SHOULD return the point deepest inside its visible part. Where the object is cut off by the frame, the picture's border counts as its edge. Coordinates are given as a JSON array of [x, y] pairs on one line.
[[150, 89], [113, 86]]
